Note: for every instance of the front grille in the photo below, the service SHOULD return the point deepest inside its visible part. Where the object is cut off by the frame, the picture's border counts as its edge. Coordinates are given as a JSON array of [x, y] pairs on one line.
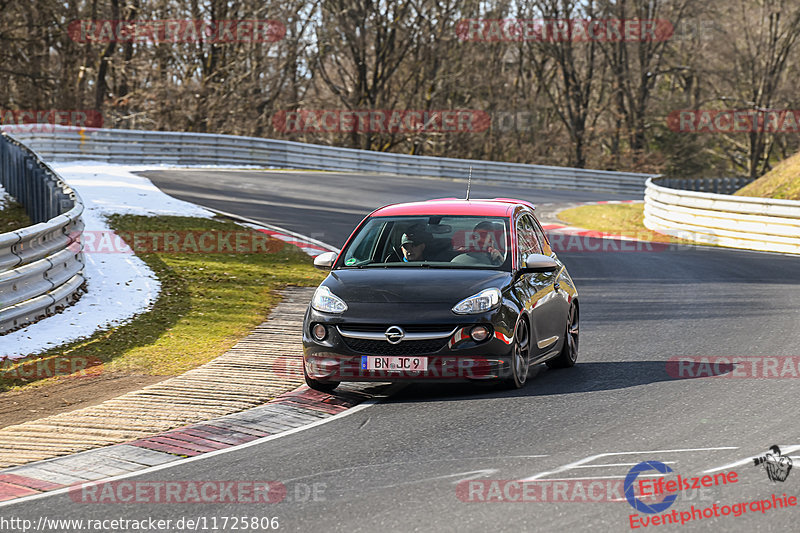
[[404, 349], [408, 328]]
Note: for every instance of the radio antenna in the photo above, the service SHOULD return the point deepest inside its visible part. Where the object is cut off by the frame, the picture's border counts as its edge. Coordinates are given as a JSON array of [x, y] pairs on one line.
[[469, 181]]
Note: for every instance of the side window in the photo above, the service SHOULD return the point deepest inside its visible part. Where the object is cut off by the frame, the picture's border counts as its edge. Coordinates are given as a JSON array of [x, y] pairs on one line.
[[362, 249], [541, 238], [527, 243]]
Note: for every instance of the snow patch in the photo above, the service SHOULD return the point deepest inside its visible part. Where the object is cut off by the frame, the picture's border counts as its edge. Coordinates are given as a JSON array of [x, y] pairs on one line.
[[120, 286]]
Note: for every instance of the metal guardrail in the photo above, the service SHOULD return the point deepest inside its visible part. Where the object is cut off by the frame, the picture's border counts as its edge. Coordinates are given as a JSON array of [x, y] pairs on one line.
[[735, 221], [148, 147], [41, 266], [715, 185]]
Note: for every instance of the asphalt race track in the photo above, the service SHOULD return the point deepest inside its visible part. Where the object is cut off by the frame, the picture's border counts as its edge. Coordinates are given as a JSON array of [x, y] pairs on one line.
[[396, 465], [328, 205]]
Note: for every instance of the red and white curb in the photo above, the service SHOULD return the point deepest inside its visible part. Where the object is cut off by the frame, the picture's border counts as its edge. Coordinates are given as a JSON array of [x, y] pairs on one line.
[[309, 245], [292, 410], [583, 232], [566, 238], [571, 239]]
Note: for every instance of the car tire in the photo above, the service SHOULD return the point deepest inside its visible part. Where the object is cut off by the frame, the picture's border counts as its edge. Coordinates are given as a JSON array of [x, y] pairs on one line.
[[321, 386], [520, 357], [569, 351]]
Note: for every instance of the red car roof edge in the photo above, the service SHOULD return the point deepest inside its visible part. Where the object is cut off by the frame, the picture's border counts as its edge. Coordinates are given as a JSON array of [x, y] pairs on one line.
[[510, 201], [507, 200], [514, 201]]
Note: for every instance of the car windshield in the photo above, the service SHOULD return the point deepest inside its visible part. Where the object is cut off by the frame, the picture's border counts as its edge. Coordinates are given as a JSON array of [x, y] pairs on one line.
[[435, 241]]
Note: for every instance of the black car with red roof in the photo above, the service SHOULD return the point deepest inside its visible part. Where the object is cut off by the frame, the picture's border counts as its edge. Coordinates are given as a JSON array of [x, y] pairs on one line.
[[441, 290]]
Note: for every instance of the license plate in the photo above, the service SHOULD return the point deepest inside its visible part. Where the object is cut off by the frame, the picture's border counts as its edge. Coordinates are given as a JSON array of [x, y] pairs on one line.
[[394, 364]]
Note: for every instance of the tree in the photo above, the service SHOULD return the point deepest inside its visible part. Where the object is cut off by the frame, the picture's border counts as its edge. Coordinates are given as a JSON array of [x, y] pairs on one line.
[[761, 38]]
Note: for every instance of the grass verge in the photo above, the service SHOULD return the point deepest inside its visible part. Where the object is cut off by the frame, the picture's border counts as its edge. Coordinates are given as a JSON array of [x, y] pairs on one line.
[[782, 182], [616, 219], [208, 301]]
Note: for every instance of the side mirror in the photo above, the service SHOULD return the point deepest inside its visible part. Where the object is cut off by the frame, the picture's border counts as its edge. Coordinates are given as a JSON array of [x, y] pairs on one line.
[[539, 263], [325, 260]]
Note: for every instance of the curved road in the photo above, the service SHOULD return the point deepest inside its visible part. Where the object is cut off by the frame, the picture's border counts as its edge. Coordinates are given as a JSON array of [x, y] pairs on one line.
[[396, 465], [328, 205]]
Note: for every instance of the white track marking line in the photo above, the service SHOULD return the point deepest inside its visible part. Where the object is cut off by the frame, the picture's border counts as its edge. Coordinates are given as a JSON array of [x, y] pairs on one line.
[[789, 449], [585, 478], [272, 227], [395, 463], [474, 475], [468, 476], [598, 456], [620, 464], [181, 462]]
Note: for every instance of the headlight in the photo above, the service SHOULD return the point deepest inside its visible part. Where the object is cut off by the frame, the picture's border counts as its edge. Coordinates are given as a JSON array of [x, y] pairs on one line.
[[327, 302], [483, 301]]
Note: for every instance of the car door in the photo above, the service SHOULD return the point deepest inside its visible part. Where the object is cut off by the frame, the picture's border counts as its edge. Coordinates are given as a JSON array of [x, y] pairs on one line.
[[543, 301], [561, 281]]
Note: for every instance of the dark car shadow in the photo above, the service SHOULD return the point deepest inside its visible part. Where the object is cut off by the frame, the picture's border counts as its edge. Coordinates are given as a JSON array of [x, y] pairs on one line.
[[583, 377]]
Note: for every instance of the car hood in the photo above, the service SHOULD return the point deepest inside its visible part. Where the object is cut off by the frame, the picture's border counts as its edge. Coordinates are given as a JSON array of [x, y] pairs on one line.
[[412, 285]]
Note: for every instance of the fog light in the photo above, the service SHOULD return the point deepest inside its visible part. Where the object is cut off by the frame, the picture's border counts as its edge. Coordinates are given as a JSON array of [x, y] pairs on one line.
[[479, 333], [320, 332]]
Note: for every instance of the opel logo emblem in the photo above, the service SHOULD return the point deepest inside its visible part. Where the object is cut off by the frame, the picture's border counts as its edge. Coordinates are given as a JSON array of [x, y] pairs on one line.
[[395, 334]]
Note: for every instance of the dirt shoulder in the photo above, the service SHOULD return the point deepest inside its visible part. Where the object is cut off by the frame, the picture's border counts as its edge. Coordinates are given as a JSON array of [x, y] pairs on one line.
[[67, 394]]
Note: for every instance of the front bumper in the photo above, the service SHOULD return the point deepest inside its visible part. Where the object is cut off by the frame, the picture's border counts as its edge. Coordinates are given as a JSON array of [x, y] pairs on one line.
[[455, 357]]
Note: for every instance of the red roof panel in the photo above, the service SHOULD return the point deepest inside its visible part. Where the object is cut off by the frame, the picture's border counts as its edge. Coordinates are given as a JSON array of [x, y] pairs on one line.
[[447, 206]]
